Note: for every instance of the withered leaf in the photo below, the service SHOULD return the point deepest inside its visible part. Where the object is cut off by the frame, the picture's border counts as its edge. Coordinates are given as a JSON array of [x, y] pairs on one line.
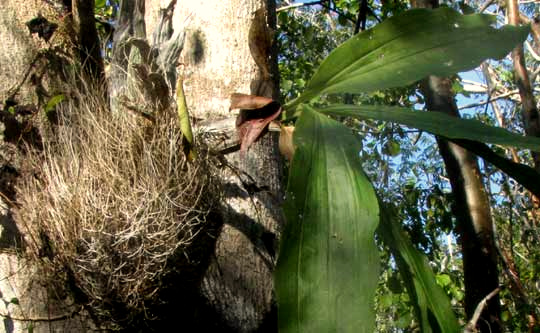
[[286, 146], [42, 27], [248, 102], [255, 115]]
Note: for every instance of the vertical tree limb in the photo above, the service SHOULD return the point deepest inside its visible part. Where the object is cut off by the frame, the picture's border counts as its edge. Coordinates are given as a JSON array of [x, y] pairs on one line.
[[471, 207], [88, 39], [130, 23], [530, 115], [472, 211]]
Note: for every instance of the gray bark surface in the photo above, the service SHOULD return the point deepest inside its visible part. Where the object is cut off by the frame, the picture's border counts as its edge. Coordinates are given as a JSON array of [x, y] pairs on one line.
[[471, 206], [472, 211], [218, 62], [237, 258], [25, 303]]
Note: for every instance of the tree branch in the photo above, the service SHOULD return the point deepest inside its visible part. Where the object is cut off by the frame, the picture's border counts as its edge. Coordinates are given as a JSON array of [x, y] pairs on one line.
[[530, 115], [486, 5], [88, 38], [298, 5], [471, 326], [362, 17], [523, 174], [42, 319], [489, 100]]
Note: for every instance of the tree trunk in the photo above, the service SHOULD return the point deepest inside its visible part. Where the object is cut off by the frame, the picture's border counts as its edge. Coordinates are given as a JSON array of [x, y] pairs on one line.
[[218, 62], [87, 38], [26, 304], [471, 208], [472, 211], [236, 292], [529, 114]]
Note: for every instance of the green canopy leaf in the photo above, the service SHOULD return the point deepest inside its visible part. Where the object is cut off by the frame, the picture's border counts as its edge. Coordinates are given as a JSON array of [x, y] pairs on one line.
[[327, 269], [409, 47], [437, 123], [432, 305]]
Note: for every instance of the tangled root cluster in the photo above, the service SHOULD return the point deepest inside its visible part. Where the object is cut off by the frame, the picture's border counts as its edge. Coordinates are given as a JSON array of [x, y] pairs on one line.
[[113, 200]]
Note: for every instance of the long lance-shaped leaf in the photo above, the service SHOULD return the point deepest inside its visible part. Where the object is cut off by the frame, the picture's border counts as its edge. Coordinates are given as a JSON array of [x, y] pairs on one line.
[[432, 305], [183, 118], [467, 133], [409, 47], [437, 123], [519, 172], [327, 269]]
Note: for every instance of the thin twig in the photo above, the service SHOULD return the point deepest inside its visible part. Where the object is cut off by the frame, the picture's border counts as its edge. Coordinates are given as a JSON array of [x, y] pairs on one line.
[[489, 100], [133, 109], [42, 319], [486, 5], [8, 201], [531, 50], [471, 326], [297, 5]]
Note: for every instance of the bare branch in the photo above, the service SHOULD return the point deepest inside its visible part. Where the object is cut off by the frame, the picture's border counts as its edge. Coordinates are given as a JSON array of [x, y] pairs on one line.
[[533, 53], [489, 100], [471, 326], [486, 5], [530, 114], [298, 5], [42, 319]]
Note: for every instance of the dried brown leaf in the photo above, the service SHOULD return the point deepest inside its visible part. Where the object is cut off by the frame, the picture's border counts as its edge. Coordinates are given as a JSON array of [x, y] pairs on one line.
[[255, 115], [249, 130], [248, 102], [286, 146]]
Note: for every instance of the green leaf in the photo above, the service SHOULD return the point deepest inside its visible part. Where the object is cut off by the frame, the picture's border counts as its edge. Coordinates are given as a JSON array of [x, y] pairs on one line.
[[100, 4], [505, 316], [437, 123], [183, 118], [14, 300], [392, 148], [409, 47], [327, 269], [431, 304], [53, 102], [443, 280]]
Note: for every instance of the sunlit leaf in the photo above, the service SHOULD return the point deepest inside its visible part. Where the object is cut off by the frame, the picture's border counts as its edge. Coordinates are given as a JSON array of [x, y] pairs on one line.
[[409, 47], [99, 4], [183, 118], [392, 148], [443, 280], [431, 304], [437, 123], [327, 269], [53, 102]]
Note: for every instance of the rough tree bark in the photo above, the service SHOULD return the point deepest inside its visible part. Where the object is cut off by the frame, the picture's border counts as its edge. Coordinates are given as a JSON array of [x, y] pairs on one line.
[[218, 62], [471, 207], [472, 211], [25, 303], [87, 38], [236, 291], [529, 114]]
